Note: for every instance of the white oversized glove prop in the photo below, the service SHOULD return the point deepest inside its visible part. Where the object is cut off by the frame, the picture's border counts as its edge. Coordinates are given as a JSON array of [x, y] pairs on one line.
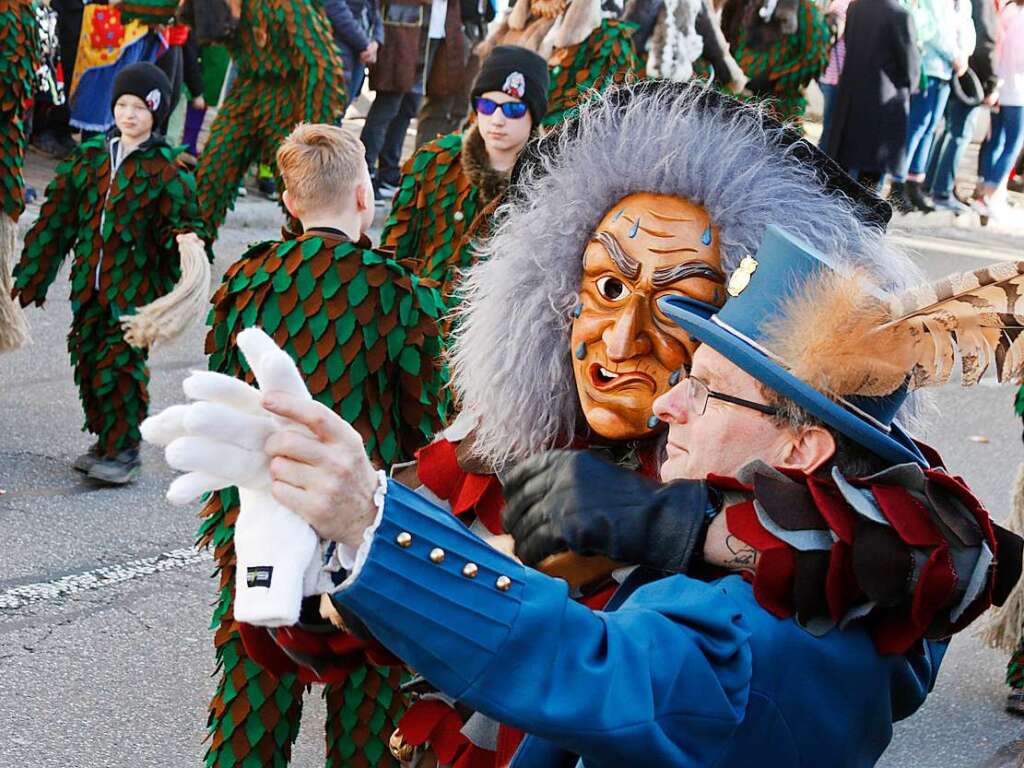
[[218, 442]]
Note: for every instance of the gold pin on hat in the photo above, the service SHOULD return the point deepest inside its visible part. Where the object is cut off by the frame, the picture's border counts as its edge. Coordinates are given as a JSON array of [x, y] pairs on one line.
[[741, 276]]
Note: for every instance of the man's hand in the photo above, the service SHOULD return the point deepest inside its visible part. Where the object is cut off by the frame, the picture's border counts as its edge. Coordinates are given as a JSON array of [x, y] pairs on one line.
[[199, 102], [959, 65], [369, 56], [992, 99], [576, 501], [324, 476]]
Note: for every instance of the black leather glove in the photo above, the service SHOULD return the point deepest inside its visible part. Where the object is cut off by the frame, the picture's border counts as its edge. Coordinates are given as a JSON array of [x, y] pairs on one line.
[[576, 501]]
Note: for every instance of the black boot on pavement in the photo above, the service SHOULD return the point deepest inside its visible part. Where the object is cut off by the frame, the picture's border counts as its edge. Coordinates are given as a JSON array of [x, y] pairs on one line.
[[898, 198], [120, 470], [917, 197]]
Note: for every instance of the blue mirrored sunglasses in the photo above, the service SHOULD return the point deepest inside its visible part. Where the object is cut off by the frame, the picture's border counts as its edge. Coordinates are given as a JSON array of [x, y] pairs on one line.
[[513, 110]]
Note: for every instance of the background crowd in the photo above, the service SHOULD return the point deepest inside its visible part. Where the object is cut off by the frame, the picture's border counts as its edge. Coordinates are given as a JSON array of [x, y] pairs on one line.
[[906, 84]]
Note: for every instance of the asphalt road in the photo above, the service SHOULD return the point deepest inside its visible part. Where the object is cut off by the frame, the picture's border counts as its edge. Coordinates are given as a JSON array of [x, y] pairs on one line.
[[105, 652]]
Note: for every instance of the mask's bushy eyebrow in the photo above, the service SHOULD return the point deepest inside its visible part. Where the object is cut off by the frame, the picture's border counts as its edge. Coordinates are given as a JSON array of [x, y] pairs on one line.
[[629, 266]]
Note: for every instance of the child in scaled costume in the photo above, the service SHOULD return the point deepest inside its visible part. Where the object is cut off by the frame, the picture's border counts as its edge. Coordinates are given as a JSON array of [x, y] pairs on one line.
[[451, 185], [118, 203], [19, 60], [364, 332]]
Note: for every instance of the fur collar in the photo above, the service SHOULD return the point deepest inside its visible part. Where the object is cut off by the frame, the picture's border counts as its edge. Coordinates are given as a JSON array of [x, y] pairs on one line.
[[477, 167]]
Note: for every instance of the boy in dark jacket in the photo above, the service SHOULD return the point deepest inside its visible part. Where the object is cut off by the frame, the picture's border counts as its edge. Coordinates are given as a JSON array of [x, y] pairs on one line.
[[118, 202]]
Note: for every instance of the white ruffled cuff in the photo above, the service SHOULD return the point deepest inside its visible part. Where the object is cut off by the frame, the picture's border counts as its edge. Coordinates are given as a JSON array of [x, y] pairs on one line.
[[346, 558]]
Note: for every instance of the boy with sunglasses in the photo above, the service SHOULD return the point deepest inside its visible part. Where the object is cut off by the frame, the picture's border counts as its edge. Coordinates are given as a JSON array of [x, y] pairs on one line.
[[451, 184]]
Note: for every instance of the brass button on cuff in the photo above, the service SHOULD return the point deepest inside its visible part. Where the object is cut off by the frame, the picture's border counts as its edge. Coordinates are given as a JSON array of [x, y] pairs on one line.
[[404, 539], [503, 583], [437, 555], [469, 570]]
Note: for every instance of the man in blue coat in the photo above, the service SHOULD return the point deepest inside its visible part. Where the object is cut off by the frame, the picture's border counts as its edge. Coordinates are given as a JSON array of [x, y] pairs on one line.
[[679, 671]]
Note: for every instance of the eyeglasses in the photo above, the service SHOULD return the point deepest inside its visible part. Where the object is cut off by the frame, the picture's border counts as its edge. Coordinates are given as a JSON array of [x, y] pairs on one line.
[[699, 393], [513, 110]]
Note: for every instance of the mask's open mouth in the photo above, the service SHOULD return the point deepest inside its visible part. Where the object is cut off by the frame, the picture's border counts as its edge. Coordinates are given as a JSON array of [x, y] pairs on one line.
[[604, 379]]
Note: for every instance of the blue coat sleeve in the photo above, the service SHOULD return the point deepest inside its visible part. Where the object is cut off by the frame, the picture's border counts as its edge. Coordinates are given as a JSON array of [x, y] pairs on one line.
[[345, 25], [666, 676]]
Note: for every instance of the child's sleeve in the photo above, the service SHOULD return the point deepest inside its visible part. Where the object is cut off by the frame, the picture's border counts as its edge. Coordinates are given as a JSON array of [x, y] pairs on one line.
[[52, 236], [182, 213]]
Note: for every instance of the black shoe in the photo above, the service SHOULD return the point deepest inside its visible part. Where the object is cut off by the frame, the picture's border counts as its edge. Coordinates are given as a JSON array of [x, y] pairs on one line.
[[87, 460], [898, 198], [918, 198], [120, 470], [1015, 703]]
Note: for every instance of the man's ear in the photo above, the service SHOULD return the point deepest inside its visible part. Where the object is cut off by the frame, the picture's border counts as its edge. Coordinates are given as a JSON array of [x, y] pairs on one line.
[[808, 449]]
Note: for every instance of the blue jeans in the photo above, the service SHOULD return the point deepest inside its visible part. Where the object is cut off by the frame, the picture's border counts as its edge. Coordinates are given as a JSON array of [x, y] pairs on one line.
[[949, 149], [829, 94], [355, 72], [926, 107], [1004, 144]]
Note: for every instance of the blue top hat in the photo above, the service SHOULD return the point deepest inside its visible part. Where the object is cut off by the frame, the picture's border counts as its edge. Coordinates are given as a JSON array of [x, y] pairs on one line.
[[758, 289]]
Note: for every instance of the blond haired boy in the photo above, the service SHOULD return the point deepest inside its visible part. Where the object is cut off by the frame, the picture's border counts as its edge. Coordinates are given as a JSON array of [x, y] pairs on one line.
[[364, 334]]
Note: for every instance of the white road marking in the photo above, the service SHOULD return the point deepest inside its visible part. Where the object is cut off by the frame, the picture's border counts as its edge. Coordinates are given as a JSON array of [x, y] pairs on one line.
[[949, 246], [99, 578]]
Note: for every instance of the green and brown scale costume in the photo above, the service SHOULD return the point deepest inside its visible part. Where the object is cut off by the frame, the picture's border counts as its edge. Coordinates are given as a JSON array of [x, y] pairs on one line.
[[121, 231], [364, 334], [289, 71], [790, 64], [19, 60], [604, 59]]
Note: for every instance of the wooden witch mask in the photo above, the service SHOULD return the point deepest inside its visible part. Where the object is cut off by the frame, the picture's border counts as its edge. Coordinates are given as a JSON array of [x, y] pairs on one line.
[[626, 352]]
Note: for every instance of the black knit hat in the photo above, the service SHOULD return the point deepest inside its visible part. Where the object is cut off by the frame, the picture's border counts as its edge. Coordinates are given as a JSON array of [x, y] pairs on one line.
[[518, 72], [149, 83]]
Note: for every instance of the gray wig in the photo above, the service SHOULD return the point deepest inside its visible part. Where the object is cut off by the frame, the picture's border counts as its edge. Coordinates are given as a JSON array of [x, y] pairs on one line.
[[511, 359]]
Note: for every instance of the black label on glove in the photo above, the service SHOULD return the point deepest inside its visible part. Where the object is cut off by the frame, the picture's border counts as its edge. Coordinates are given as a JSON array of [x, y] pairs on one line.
[[259, 576]]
